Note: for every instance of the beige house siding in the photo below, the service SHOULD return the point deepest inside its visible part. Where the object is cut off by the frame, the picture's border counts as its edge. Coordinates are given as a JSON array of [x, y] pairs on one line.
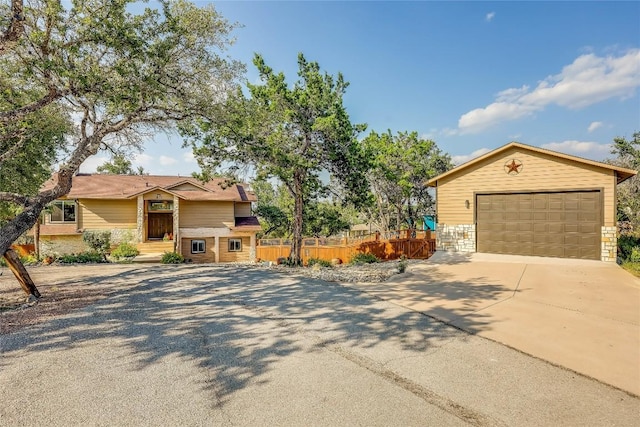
[[186, 187], [226, 256], [108, 214], [243, 209], [540, 172], [205, 214], [208, 256], [158, 195]]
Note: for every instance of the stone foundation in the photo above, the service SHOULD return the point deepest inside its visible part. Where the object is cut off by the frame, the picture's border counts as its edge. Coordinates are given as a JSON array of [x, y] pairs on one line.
[[456, 238], [62, 245], [609, 245]]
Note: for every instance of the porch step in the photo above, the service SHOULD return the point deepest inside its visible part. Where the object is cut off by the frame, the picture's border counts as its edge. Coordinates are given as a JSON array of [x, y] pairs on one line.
[[158, 247]]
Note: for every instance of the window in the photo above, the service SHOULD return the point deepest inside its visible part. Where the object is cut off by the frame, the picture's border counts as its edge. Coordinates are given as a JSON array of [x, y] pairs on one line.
[[164, 205], [63, 211], [235, 245], [197, 247]]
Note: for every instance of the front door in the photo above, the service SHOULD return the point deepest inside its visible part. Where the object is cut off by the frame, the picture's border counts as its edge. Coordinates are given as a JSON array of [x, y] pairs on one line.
[[159, 225]]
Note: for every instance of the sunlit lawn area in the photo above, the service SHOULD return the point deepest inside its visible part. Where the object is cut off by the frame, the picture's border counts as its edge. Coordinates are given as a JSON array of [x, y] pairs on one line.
[[632, 267]]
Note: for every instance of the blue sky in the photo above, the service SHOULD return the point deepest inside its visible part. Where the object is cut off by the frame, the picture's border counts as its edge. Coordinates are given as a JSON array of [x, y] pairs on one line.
[[471, 76]]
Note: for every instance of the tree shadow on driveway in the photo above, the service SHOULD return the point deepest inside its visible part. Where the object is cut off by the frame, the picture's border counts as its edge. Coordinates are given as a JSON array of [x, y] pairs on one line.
[[233, 323]]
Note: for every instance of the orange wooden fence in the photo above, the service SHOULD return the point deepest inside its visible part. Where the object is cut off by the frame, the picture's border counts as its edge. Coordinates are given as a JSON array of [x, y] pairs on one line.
[[386, 246]]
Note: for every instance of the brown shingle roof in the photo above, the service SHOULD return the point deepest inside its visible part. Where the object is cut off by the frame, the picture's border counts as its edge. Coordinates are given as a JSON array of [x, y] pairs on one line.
[[96, 186]]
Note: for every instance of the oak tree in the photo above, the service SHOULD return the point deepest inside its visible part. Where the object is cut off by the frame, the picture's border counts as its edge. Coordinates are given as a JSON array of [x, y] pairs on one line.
[[119, 70]]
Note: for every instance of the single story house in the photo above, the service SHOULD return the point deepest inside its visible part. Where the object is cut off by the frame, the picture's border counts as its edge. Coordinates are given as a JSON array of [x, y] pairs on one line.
[[205, 222], [524, 200]]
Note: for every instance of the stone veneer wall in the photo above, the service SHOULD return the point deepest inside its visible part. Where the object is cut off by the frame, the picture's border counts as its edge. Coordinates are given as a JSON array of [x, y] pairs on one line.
[[62, 245], [456, 238], [609, 244]]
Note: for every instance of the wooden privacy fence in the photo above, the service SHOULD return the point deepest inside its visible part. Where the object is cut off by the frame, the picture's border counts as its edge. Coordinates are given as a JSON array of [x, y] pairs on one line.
[[414, 244]]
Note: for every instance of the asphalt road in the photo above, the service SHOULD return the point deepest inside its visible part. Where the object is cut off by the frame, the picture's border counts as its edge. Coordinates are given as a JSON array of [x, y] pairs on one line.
[[212, 345]]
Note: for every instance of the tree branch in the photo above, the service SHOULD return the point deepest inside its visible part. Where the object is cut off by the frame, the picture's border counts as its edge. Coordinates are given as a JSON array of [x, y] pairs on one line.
[[18, 199], [15, 29]]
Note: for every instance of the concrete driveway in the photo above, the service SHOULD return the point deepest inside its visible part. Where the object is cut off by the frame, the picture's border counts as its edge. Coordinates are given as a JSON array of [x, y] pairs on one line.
[[582, 315]]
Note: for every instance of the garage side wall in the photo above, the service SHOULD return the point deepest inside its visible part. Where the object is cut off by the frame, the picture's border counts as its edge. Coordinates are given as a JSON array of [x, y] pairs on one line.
[[539, 172]]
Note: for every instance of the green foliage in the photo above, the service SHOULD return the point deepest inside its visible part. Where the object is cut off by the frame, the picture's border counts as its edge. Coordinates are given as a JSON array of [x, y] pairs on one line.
[[291, 133], [98, 241], [628, 192], [172, 258], [361, 258], [125, 251], [30, 259], [632, 267], [318, 261], [635, 254], [119, 165], [323, 219], [402, 164], [626, 245], [82, 258], [402, 264]]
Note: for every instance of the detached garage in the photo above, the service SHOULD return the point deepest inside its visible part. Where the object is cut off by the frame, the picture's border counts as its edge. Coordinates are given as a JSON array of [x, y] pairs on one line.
[[524, 200]]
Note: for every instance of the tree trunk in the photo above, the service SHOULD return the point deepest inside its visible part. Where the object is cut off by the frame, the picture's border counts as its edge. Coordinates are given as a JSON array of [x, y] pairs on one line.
[[36, 239], [296, 244], [18, 270]]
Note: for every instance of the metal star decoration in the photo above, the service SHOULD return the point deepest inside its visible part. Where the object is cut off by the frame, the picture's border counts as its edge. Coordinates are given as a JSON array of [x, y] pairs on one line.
[[513, 167]]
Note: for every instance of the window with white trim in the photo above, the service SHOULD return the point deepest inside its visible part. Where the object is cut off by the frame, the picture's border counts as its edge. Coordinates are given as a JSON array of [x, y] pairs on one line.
[[198, 246], [235, 245], [63, 211]]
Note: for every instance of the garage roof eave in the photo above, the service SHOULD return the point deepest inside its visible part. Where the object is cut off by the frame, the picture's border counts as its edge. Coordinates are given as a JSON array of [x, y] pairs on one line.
[[622, 174]]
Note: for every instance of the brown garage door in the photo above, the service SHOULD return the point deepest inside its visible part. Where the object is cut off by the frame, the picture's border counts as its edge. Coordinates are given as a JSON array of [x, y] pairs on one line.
[[556, 224]]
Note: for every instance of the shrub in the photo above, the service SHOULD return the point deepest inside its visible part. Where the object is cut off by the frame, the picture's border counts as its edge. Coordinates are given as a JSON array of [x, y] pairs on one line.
[[30, 259], [124, 251], [364, 259], [320, 262], [82, 258], [635, 254], [98, 241], [172, 258], [626, 244], [402, 264]]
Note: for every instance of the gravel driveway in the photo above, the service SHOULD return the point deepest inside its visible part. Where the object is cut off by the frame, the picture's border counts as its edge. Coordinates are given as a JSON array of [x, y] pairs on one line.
[[217, 345]]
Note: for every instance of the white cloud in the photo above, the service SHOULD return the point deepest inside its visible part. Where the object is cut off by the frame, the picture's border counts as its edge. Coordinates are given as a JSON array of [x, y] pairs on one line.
[[166, 161], [481, 118], [143, 160], [594, 125], [489, 16], [458, 160], [587, 149], [90, 165], [588, 80], [188, 157]]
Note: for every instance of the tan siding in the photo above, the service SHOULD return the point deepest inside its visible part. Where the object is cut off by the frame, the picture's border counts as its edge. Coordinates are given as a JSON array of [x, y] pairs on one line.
[[154, 195], [243, 209], [108, 214], [208, 256], [226, 256], [205, 214], [186, 187], [540, 172]]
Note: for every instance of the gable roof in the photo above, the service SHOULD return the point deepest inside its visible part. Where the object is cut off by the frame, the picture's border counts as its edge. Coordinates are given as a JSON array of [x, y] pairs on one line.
[[97, 186], [621, 173]]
